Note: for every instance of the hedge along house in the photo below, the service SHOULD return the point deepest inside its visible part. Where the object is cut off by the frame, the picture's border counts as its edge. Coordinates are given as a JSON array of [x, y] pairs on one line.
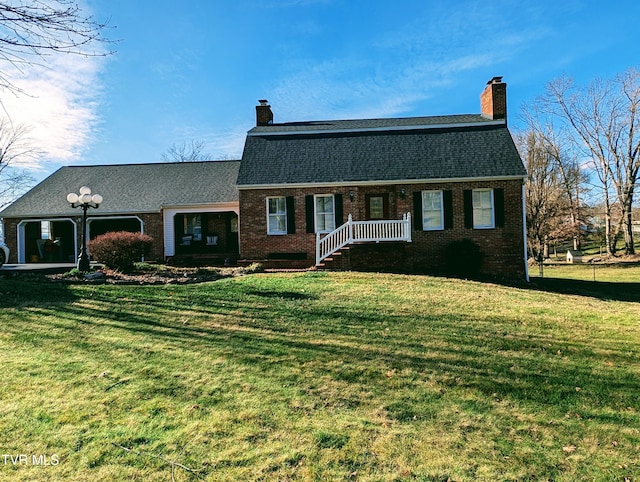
[[190, 210], [385, 194]]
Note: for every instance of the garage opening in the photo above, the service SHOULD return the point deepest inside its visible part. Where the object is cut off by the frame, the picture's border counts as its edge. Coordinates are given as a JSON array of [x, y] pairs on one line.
[[49, 241]]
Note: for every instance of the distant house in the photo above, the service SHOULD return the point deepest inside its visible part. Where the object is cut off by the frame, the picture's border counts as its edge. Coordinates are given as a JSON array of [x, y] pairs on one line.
[[370, 194], [574, 256], [190, 209], [384, 193]]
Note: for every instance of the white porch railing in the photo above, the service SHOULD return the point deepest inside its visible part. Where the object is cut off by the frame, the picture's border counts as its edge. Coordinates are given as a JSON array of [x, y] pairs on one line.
[[362, 231]]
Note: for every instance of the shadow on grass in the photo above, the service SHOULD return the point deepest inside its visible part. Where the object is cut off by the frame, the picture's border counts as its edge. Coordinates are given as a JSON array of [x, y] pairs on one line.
[[603, 290], [303, 352], [349, 347], [282, 295], [23, 292]]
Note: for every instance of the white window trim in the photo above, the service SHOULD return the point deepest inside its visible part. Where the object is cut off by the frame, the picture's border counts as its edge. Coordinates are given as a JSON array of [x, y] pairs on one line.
[[492, 225], [269, 231], [441, 226], [21, 235], [315, 212]]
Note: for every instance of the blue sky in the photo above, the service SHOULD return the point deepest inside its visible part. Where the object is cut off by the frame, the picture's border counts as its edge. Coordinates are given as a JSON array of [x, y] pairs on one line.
[[196, 69]]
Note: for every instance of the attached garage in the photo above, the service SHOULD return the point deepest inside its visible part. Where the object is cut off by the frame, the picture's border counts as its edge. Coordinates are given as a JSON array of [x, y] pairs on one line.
[[42, 226], [46, 241]]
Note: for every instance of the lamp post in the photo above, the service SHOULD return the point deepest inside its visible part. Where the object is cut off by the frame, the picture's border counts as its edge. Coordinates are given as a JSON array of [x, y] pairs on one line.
[[84, 200]]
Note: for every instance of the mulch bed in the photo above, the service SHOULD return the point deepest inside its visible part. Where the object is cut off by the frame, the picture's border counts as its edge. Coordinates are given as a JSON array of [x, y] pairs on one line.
[[162, 276]]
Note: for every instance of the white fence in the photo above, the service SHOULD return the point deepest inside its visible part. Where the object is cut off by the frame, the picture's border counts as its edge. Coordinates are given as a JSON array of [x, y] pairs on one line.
[[362, 231]]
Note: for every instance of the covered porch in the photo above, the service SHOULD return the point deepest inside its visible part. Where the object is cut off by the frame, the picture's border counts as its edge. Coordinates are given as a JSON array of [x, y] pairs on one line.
[[201, 235]]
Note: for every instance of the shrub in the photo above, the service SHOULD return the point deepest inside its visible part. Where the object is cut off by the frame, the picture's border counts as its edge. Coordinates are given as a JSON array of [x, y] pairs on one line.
[[120, 250], [463, 258]]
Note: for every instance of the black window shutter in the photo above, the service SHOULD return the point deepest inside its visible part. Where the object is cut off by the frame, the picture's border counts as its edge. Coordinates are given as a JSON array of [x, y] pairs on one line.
[[448, 209], [178, 227], [468, 208], [291, 215], [308, 205], [337, 197], [417, 210], [204, 223], [498, 204]]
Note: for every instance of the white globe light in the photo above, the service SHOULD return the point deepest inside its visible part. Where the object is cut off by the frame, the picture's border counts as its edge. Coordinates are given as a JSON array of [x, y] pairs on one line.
[[85, 190], [86, 198], [72, 198], [96, 198]]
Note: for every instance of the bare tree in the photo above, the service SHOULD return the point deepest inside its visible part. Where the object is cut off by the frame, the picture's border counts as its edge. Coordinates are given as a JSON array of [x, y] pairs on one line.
[[557, 144], [546, 200], [15, 148], [539, 185], [603, 118], [192, 152], [31, 30]]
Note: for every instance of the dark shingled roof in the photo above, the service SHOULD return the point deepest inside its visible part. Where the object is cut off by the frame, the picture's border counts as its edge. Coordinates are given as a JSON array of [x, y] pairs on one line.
[[368, 124], [420, 148], [131, 188]]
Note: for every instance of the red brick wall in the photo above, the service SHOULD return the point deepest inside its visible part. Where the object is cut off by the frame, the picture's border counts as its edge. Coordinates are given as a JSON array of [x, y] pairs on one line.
[[153, 227], [503, 247], [10, 233]]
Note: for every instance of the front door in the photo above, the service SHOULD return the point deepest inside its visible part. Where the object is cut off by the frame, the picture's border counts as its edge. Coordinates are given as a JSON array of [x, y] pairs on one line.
[[377, 206]]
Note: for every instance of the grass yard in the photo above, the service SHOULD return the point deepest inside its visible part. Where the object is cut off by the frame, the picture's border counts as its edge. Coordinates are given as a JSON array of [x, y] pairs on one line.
[[610, 273], [321, 376]]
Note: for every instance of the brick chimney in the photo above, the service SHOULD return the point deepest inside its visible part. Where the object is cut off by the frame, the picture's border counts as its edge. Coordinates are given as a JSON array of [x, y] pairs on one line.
[[264, 116], [493, 100]]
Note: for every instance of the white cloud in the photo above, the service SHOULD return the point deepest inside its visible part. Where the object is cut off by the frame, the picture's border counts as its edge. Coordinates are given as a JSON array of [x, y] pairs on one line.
[[412, 62], [229, 144], [59, 103], [224, 143]]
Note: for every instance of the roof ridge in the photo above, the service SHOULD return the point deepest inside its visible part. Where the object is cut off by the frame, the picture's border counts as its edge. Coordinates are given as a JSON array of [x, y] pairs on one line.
[[323, 121], [460, 121], [126, 164]]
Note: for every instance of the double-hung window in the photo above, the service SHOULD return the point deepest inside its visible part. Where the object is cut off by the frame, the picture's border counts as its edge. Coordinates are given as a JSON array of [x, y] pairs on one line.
[[432, 210], [276, 215], [324, 213], [483, 209]]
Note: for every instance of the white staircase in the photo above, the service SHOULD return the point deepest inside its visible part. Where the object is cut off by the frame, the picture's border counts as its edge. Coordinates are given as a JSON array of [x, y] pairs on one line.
[[362, 232]]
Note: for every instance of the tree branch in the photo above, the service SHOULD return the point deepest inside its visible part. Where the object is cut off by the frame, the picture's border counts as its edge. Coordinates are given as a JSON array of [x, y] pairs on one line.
[[166, 461], [33, 30]]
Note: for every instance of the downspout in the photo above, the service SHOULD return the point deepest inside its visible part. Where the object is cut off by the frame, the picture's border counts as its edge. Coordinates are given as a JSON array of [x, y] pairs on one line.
[[524, 228]]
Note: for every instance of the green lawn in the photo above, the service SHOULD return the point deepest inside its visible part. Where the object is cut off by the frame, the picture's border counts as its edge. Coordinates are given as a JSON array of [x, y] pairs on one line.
[[316, 376], [618, 273]]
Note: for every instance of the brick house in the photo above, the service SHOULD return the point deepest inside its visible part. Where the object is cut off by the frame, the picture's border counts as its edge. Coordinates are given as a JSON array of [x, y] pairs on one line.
[[384, 194], [371, 194], [190, 209]]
